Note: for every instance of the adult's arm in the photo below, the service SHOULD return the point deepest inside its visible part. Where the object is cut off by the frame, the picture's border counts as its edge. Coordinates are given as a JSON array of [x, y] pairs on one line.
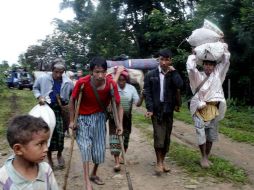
[[223, 66], [119, 70], [195, 77], [148, 95], [37, 91], [72, 112], [37, 88], [72, 102]]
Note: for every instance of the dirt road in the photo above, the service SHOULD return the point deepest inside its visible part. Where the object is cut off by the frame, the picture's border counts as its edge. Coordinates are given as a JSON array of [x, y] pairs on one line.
[[141, 163]]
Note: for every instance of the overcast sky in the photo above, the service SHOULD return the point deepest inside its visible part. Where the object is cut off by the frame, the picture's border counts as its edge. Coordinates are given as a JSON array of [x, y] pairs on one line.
[[23, 22]]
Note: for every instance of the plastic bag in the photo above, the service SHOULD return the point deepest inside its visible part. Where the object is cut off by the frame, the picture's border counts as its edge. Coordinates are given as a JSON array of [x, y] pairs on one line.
[[201, 36], [210, 51], [209, 25], [47, 114]]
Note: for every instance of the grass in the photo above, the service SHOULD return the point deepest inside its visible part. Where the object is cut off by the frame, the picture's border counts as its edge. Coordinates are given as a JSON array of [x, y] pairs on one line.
[[188, 158], [24, 102], [238, 123]]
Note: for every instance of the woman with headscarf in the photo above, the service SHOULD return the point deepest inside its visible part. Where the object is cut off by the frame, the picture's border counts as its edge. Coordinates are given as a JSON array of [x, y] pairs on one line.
[[129, 96]]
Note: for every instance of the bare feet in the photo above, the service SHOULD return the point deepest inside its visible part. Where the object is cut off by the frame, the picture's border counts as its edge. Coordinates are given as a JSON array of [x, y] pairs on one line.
[[166, 168], [158, 169], [204, 162]]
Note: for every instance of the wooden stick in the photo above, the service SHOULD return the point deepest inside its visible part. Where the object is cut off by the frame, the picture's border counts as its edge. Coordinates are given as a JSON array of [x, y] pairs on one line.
[[73, 137]]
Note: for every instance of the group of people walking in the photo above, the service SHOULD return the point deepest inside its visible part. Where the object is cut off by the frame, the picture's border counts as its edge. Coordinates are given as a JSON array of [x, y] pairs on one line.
[[161, 95]]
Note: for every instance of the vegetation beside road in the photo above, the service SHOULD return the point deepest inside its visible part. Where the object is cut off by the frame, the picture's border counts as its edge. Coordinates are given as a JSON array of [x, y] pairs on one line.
[[188, 158], [23, 101]]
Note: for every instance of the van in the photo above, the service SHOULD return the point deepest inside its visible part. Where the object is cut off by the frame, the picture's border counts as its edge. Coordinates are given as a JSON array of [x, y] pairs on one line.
[[19, 79]]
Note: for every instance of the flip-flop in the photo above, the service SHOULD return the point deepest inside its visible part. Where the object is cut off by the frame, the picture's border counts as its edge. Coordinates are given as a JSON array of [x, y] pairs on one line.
[[96, 180]]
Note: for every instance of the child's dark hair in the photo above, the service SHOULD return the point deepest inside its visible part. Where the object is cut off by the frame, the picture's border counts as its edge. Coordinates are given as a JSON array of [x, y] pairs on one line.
[[21, 128], [99, 62]]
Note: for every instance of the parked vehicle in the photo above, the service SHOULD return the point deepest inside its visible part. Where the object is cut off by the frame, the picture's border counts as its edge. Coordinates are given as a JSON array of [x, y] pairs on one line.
[[19, 79]]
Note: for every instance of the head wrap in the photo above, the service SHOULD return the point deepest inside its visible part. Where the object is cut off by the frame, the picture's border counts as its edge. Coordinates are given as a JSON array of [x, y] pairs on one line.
[[124, 73]]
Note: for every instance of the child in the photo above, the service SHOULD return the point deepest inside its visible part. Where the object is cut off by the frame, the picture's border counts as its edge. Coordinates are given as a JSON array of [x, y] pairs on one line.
[[27, 136]]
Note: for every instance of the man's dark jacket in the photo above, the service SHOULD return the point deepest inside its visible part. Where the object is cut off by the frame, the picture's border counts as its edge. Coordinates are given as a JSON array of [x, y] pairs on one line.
[[172, 82]]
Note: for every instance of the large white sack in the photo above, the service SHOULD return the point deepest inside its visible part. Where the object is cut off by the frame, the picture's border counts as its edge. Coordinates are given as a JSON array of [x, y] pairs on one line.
[[136, 76], [209, 25], [210, 51], [202, 35], [47, 114]]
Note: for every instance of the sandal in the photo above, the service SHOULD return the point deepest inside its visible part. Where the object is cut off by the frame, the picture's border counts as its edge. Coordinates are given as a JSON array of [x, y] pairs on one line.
[[96, 180]]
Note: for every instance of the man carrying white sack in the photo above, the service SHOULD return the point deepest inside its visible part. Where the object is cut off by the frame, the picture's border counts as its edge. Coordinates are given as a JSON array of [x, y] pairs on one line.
[[52, 86], [208, 105]]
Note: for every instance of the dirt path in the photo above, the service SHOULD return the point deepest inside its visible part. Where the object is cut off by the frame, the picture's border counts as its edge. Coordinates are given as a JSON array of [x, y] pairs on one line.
[[141, 163]]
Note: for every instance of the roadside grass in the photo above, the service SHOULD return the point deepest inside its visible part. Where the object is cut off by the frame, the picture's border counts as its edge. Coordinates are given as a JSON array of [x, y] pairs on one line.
[[24, 102], [188, 158], [238, 123], [5, 112]]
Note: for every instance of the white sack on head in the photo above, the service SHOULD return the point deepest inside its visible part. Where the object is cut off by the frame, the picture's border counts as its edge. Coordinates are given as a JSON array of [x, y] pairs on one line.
[[210, 51], [136, 76], [47, 114], [202, 35], [209, 25]]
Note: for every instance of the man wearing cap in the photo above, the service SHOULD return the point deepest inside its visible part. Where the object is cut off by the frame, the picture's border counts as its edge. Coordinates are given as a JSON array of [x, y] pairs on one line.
[[160, 91], [208, 105], [47, 89], [129, 96]]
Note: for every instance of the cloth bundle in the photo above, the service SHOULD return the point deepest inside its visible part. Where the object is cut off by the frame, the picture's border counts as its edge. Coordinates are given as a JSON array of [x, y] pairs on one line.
[[208, 43], [135, 76]]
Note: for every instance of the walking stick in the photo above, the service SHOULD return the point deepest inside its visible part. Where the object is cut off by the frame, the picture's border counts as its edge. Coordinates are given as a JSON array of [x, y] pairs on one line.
[[73, 137], [116, 119]]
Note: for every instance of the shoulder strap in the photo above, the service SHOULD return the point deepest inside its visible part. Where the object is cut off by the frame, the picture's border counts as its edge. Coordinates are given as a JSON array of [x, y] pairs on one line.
[[97, 95], [200, 85]]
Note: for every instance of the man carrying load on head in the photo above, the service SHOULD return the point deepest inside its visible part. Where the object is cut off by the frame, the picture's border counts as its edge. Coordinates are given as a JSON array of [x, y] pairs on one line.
[[208, 105]]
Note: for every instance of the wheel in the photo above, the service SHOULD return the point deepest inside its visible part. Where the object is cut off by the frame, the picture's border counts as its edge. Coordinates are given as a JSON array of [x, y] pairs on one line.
[[20, 87]]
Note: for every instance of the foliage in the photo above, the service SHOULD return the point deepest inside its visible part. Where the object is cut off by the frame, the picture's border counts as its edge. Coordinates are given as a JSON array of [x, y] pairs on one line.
[[140, 28], [3, 67]]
